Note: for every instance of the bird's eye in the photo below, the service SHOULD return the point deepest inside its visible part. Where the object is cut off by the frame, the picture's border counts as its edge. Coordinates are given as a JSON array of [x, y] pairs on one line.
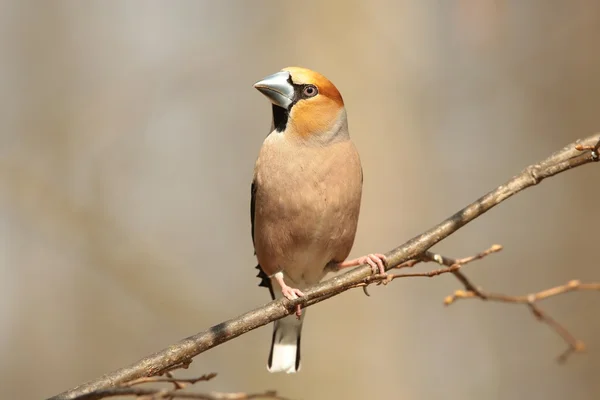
[[310, 91]]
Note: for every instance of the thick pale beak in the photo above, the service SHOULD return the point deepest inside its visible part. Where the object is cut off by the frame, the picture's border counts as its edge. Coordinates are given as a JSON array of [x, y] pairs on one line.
[[277, 88]]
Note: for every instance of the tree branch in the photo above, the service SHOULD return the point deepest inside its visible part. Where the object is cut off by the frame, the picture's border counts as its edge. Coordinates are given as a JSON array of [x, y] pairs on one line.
[[178, 383], [574, 345], [574, 155], [175, 394]]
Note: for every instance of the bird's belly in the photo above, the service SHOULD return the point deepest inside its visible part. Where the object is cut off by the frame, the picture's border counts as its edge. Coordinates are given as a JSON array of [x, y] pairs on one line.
[[304, 228], [312, 245], [307, 205]]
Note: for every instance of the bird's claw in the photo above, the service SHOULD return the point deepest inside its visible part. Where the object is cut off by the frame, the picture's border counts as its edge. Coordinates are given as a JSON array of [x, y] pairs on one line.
[[376, 262], [292, 294]]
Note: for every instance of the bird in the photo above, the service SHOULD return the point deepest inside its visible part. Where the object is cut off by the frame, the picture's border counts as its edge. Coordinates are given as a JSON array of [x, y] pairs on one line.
[[305, 198]]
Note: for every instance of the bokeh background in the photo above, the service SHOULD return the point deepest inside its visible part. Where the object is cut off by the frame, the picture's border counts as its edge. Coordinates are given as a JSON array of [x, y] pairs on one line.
[[128, 134]]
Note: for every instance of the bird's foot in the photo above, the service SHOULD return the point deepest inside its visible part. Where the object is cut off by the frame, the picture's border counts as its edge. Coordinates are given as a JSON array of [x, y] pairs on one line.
[[376, 261], [292, 294], [289, 293]]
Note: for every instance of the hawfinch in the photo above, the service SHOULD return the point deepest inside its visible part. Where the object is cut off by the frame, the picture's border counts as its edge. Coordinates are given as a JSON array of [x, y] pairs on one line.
[[305, 199]]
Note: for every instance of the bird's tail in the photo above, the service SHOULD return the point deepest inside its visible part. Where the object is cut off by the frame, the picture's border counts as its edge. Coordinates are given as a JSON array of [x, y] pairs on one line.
[[285, 348]]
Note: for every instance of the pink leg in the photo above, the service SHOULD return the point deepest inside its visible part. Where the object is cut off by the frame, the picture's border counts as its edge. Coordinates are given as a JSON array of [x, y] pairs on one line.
[[289, 292], [376, 261]]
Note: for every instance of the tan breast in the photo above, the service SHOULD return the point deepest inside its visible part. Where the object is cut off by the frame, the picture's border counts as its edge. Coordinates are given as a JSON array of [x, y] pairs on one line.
[[307, 206]]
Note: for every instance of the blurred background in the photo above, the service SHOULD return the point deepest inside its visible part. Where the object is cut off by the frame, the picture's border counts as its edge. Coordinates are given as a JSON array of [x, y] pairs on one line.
[[128, 135]]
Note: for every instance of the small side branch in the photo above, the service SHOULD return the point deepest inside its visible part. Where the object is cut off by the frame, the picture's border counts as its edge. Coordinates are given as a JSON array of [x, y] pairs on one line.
[[178, 383], [132, 389], [172, 394], [471, 291], [574, 345]]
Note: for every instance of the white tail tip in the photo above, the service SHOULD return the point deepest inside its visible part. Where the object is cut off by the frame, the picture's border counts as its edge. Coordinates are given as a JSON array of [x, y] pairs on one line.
[[284, 358]]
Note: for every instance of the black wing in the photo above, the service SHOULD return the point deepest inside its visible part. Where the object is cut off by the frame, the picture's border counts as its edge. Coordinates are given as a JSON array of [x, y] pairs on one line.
[[252, 207], [264, 279]]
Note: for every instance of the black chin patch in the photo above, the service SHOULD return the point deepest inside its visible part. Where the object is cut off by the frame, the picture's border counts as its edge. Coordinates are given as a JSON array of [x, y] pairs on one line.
[[281, 115], [280, 118]]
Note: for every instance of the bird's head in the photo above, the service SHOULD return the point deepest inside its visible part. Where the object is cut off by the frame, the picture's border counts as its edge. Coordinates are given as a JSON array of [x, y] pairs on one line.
[[305, 104]]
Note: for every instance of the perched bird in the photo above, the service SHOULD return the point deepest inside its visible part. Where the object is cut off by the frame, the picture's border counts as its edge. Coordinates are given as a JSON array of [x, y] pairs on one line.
[[305, 198]]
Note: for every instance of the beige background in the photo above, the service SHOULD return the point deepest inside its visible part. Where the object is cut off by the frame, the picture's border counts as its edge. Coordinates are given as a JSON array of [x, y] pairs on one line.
[[128, 133]]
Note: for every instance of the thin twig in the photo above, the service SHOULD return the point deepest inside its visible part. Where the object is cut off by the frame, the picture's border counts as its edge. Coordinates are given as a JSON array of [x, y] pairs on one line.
[[178, 382], [127, 389], [453, 265], [175, 394], [565, 159], [574, 345]]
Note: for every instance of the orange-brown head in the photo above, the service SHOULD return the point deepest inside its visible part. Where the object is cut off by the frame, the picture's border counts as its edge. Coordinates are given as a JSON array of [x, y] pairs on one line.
[[305, 104]]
